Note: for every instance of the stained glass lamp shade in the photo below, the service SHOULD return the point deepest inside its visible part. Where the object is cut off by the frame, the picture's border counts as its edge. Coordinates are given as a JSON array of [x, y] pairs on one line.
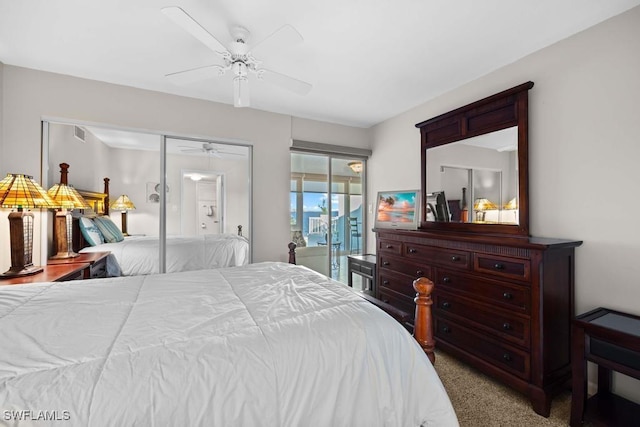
[[482, 205], [68, 199], [124, 204], [19, 191]]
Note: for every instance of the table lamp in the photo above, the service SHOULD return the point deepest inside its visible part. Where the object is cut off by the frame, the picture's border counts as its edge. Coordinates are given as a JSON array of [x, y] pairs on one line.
[[480, 206], [19, 191], [67, 198], [124, 204]]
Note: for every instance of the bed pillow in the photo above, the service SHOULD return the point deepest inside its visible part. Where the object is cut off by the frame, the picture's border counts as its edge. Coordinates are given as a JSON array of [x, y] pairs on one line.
[[109, 230], [90, 232]]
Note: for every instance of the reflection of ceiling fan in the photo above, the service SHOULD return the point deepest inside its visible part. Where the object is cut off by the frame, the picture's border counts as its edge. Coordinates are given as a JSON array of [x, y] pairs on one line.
[[239, 57], [209, 149]]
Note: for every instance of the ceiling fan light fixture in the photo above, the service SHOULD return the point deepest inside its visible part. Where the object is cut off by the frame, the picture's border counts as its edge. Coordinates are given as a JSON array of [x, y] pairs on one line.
[[240, 92], [356, 167]]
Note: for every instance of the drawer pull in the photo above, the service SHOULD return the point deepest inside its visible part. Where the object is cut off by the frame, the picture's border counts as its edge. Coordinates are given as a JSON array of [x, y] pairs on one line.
[[385, 282], [506, 326], [389, 246], [446, 305], [385, 263], [446, 279], [412, 250], [507, 295], [419, 273], [507, 357], [455, 258], [446, 329], [499, 266]]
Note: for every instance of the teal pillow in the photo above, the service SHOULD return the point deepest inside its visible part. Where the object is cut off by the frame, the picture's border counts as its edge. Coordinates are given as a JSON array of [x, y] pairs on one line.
[[109, 230], [90, 232]]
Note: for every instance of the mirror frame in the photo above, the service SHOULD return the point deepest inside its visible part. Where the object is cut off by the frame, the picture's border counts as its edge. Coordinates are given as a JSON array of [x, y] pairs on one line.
[[500, 111]]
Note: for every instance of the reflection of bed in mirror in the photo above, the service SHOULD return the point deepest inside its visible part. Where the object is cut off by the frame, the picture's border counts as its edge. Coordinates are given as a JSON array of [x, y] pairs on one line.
[[139, 255]]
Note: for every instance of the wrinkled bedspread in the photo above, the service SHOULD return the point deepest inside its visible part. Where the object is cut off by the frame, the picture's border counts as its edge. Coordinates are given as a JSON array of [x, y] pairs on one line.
[[268, 344]]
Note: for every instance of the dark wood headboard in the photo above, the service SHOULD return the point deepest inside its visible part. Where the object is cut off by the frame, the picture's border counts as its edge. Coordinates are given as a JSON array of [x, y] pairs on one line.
[[98, 200]]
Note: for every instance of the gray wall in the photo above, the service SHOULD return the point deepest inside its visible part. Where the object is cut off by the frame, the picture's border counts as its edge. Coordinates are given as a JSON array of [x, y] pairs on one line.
[[30, 95], [583, 153]]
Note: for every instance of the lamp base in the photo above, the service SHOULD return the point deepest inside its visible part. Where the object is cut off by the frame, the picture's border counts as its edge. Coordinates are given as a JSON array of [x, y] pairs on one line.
[[26, 271], [65, 255]]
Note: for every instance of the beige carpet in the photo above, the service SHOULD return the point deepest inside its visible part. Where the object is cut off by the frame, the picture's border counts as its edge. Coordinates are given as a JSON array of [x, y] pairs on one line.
[[480, 401]]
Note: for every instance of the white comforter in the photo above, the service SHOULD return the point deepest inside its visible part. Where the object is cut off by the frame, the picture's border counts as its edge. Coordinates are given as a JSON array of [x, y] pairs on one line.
[[267, 344], [137, 255]]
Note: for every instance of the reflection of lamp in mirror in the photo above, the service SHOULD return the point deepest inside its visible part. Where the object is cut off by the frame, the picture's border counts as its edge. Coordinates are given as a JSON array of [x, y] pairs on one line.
[[124, 204], [512, 205], [480, 206], [18, 191], [356, 167], [67, 198]]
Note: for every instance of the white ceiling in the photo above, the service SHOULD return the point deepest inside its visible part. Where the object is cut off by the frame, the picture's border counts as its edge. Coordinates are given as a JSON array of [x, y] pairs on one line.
[[367, 60]]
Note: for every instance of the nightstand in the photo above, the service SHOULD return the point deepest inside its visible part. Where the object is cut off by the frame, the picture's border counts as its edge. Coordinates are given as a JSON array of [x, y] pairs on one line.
[[52, 273], [365, 267], [611, 340], [97, 263]]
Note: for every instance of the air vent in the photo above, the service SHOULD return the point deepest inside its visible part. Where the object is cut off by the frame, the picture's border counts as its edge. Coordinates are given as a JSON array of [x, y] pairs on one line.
[[78, 132]]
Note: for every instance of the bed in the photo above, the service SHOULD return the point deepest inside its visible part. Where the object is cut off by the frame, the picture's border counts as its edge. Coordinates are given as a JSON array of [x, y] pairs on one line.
[[270, 344], [139, 255]]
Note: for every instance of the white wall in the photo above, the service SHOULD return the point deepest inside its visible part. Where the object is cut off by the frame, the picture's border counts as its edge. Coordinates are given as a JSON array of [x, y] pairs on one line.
[[30, 95], [583, 154]]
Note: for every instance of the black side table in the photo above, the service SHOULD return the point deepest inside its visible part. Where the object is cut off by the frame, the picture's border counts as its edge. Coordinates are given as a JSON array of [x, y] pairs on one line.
[[364, 266], [611, 340]]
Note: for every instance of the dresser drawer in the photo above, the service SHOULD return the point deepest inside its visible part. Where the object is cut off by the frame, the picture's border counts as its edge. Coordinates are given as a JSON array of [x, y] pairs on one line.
[[401, 302], [500, 354], [77, 275], [431, 255], [389, 247], [409, 268], [513, 268], [502, 325], [398, 283], [506, 295]]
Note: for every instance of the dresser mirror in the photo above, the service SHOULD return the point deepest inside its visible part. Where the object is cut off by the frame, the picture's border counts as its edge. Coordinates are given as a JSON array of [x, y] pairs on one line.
[[475, 166]]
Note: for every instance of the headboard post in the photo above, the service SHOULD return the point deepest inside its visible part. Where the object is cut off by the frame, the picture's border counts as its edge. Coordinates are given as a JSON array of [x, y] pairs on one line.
[[106, 200], [64, 173], [292, 253], [423, 324]]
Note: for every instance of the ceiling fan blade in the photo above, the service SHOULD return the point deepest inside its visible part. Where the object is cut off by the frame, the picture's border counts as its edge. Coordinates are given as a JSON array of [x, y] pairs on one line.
[[282, 38], [287, 82], [184, 20], [196, 74]]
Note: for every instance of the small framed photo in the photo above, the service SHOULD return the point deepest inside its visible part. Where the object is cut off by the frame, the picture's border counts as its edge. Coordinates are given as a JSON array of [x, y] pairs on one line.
[[398, 209]]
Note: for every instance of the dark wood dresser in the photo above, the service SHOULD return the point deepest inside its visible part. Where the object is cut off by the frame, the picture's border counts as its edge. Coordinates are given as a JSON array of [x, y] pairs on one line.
[[503, 305]]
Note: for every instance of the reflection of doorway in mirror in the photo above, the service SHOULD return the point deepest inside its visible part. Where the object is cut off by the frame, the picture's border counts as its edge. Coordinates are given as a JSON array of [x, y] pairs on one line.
[[202, 204], [487, 185], [207, 205]]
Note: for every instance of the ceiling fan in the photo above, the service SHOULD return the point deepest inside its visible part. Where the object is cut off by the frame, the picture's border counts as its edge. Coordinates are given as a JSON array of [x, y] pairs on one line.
[[209, 149], [239, 57]]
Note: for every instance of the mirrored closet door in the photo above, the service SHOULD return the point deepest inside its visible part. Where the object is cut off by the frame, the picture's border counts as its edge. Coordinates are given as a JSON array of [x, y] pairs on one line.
[[207, 183]]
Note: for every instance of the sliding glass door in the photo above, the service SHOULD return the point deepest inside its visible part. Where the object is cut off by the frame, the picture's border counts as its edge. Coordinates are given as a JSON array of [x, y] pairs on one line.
[[326, 217]]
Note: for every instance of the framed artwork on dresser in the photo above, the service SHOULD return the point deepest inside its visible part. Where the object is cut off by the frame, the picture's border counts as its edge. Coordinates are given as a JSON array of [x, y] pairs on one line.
[[398, 209]]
